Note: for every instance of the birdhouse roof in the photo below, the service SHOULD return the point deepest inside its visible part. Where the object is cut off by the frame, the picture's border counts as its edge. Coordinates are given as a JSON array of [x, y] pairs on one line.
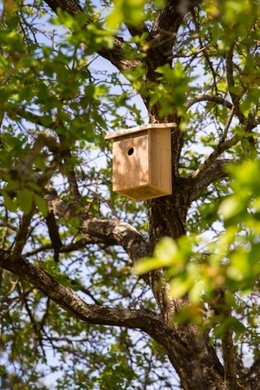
[[140, 128]]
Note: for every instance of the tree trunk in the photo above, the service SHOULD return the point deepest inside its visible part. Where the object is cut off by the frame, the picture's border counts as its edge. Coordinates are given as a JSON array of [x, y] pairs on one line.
[[196, 363]]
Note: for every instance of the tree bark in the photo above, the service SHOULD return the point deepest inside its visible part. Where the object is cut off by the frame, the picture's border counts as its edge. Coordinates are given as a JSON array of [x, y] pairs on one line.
[[178, 350], [190, 352]]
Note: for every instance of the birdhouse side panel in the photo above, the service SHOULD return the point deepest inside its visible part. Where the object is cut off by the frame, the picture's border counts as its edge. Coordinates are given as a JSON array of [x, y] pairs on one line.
[[130, 162], [160, 160]]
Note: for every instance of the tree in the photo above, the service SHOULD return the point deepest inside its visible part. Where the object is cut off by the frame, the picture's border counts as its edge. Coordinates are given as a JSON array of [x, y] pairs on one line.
[[70, 302]]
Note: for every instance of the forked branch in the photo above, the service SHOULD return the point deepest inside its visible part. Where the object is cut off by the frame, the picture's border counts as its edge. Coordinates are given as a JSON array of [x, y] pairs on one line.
[[201, 179], [66, 298], [101, 231], [116, 54]]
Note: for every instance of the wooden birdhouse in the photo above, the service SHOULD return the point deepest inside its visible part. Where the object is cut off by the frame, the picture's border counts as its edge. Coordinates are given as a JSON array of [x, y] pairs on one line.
[[142, 161]]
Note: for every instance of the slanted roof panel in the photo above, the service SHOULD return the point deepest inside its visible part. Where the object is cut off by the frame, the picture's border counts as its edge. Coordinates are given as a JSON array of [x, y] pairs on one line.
[[140, 128]]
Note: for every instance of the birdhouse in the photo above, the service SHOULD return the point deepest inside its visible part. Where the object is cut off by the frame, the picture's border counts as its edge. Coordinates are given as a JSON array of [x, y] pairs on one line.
[[142, 161]]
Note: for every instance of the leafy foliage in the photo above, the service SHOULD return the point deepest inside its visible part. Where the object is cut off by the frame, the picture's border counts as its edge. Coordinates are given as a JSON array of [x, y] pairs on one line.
[[230, 262], [68, 76]]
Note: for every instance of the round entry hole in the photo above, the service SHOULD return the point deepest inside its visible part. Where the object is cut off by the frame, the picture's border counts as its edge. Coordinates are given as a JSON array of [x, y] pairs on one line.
[[130, 151]]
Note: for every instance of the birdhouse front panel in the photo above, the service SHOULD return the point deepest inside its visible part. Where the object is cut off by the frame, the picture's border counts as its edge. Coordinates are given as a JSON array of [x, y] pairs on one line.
[[130, 162], [142, 161]]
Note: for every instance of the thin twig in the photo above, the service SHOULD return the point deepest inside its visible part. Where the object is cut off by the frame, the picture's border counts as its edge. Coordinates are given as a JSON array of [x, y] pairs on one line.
[[22, 234], [211, 98], [221, 147], [225, 131], [231, 83]]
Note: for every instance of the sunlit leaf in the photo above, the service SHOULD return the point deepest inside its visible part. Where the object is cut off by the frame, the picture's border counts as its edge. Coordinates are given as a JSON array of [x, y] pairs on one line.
[[231, 206]]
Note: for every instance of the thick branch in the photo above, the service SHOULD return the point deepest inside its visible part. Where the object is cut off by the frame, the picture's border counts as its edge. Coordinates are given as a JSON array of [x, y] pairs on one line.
[[180, 353], [116, 55], [207, 168], [94, 314], [253, 375], [54, 234], [229, 356], [198, 184], [103, 231], [136, 30], [164, 30], [67, 299], [22, 234], [70, 6]]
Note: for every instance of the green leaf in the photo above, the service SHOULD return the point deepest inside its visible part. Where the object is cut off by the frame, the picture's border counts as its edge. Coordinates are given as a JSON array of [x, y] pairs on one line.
[[180, 286], [148, 264], [41, 204], [166, 250], [9, 203], [197, 290], [231, 206], [130, 11], [25, 200]]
